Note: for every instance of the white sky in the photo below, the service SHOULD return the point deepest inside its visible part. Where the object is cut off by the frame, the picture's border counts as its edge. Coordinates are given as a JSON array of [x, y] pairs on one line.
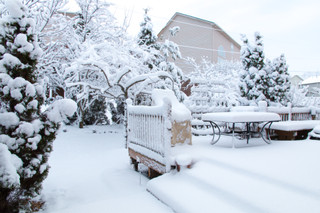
[[291, 27]]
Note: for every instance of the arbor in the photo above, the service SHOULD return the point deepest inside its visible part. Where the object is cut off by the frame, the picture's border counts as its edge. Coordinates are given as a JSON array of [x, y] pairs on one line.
[[25, 132]]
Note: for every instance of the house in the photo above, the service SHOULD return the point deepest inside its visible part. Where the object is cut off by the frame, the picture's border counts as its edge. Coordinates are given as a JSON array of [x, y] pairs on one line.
[[200, 38], [296, 80], [313, 84]]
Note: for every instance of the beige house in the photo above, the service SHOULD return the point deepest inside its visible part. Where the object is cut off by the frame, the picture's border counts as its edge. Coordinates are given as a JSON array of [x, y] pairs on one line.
[[313, 84], [296, 80], [200, 38]]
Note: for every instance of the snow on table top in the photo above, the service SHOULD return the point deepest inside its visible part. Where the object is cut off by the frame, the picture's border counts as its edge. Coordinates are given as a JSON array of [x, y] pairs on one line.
[[295, 125], [239, 117]]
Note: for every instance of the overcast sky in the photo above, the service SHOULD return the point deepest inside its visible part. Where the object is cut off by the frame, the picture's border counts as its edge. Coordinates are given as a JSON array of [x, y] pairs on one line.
[[291, 27]]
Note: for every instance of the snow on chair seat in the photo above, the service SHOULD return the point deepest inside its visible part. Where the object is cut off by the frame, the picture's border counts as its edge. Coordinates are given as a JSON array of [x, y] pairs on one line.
[[152, 130]]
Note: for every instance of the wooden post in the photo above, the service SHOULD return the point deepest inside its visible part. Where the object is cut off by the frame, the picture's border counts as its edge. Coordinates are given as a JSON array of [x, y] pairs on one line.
[[168, 135], [290, 111]]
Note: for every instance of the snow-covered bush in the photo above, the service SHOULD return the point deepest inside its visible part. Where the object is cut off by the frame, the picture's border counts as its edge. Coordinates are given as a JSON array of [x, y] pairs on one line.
[[26, 133]]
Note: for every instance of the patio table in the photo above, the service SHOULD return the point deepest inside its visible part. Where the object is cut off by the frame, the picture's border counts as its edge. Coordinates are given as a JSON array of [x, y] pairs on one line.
[[248, 118]]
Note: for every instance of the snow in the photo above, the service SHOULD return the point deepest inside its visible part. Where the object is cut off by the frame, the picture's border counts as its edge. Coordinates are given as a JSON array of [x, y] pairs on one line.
[[295, 125], [19, 108], [10, 60], [16, 94], [30, 90], [183, 160], [90, 172], [180, 112], [244, 109], [60, 109], [14, 8], [22, 43], [316, 129], [311, 80], [8, 168], [9, 119], [25, 128], [238, 117], [252, 178]]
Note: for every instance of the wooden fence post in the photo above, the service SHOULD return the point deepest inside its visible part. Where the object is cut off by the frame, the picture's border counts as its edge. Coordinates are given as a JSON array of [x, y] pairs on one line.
[[290, 111]]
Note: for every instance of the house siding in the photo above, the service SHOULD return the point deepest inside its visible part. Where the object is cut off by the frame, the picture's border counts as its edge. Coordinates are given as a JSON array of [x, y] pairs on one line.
[[199, 39]]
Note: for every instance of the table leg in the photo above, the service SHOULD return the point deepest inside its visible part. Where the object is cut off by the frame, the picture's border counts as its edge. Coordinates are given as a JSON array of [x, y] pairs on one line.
[[267, 139], [233, 125], [248, 132], [213, 124]]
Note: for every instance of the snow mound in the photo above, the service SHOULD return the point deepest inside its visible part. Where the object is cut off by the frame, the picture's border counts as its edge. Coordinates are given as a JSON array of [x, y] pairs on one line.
[[180, 112], [183, 160]]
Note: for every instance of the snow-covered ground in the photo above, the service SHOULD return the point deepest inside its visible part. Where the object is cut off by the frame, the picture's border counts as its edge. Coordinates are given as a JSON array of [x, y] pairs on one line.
[[90, 172]]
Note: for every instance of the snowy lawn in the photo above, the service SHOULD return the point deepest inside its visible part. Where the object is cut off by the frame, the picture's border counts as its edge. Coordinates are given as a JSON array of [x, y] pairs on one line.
[[90, 172]]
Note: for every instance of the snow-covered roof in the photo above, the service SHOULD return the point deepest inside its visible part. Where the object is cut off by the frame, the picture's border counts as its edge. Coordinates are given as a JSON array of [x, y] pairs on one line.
[[311, 80]]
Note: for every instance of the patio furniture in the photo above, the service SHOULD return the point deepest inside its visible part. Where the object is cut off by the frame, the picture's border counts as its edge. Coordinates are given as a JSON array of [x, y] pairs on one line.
[[265, 119]]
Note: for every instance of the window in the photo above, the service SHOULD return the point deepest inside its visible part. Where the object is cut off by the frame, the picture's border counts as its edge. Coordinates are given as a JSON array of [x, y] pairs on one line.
[[221, 54]]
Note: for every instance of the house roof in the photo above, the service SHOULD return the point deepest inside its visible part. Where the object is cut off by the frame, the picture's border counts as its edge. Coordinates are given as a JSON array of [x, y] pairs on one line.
[[297, 76], [214, 25], [311, 80]]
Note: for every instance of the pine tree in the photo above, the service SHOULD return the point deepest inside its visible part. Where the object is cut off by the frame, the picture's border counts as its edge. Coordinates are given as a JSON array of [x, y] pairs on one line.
[[30, 133], [146, 35], [96, 113], [253, 79], [279, 84]]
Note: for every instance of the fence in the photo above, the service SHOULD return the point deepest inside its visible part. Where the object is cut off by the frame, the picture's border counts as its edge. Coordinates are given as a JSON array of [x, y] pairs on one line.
[[296, 113], [149, 135], [286, 114]]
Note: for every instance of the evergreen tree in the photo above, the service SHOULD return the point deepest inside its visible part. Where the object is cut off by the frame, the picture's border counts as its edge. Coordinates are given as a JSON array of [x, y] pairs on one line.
[[96, 113], [279, 83], [253, 79], [146, 35], [25, 130]]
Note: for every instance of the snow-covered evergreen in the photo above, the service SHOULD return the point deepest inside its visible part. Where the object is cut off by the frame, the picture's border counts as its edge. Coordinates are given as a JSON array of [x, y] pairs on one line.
[[26, 133], [161, 56], [262, 79], [146, 35], [279, 83], [252, 78]]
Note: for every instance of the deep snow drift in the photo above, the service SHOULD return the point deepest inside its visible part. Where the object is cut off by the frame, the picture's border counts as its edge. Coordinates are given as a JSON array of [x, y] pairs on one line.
[[90, 172]]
